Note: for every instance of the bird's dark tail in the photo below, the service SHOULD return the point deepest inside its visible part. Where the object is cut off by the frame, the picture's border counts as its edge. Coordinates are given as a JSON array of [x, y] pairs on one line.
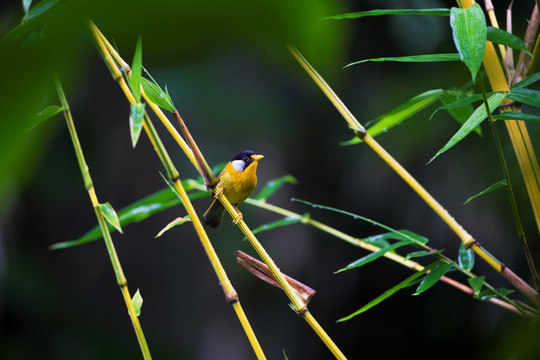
[[212, 217]]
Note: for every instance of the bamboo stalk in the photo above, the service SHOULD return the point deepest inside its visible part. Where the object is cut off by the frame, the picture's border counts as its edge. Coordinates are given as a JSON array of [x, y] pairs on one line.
[[230, 293], [360, 132], [115, 261]]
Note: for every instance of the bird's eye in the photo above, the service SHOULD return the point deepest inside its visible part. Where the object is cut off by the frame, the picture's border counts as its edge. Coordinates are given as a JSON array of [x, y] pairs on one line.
[[245, 159]]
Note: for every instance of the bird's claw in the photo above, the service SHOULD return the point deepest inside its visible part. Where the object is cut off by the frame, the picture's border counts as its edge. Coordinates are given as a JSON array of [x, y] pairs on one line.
[[238, 218], [218, 191]]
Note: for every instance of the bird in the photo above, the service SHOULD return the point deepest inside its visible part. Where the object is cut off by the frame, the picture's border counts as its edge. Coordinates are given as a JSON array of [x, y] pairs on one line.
[[237, 181]]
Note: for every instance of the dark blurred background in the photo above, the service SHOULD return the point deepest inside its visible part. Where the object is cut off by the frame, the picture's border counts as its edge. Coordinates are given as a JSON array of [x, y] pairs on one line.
[[237, 87]]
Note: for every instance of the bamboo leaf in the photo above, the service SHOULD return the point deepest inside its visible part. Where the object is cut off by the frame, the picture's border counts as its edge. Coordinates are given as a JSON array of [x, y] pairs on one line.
[[110, 215], [175, 222], [39, 9], [495, 186], [136, 71], [505, 38], [525, 96], [488, 294], [405, 283], [138, 211], [43, 116], [157, 95], [465, 257], [379, 12], [412, 59], [422, 253], [472, 122], [470, 35], [137, 301], [460, 111], [381, 240], [136, 117], [531, 79], [26, 5], [286, 221], [274, 185], [404, 111], [374, 256], [434, 276], [476, 284], [516, 115]]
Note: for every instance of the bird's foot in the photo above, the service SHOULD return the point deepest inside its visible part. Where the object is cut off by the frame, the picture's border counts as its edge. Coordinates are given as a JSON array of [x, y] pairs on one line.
[[238, 218], [218, 191]]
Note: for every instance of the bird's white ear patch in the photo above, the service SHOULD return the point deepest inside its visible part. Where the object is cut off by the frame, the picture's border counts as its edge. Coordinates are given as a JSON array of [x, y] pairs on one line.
[[238, 165]]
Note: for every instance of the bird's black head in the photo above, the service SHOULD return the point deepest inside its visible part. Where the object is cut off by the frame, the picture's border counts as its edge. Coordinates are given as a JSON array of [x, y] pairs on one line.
[[241, 161]]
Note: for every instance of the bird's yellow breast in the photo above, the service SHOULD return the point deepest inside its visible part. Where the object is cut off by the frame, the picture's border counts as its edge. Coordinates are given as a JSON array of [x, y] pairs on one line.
[[238, 185]]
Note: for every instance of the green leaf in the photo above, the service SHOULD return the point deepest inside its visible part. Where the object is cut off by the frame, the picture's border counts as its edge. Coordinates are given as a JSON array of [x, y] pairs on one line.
[[422, 253], [479, 115], [516, 115], [404, 234], [488, 294], [137, 301], [531, 79], [110, 215], [525, 96], [44, 115], [405, 283], [175, 222], [495, 186], [470, 35], [412, 59], [381, 240], [286, 221], [476, 284], [374, 256], [433, 276], [459, 108], [274, 185], [136, 117], [465, 257], [404, 111], [505, 38], [136, 71], [26, 6], [157, 95], [138, 211], [39, 9], [379, 12]]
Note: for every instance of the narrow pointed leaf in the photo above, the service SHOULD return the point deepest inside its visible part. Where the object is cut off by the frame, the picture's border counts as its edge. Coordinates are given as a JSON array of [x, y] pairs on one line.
[[136, 117], [26, 5], [459, 108], [479, 115], [136, 71], [404, 111], [495, 186], [157, 95], [405, 283], [43, 116], [136, 212], [137, 301], [465, 257], [422, 253], [434, 276], [476, 284], [110, 215], [274, 185], [381, 240], [379, 12], [470, 35], [286, 221], [525, 96], [412, 59], [175, 222], [39, 9], [505, 38], [374, 256], [488, 294], [516, 115], [531, 79]]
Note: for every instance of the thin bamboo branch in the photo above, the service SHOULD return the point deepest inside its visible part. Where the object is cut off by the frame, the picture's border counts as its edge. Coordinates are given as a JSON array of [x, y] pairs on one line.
[[493, 19], [360, 132], [115, 261], [230, 293], [413, 265]]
